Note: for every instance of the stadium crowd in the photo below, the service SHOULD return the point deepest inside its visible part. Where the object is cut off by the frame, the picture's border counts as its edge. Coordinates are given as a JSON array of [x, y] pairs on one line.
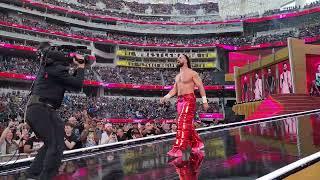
[[124, 8], [302, 30], [82, 131], [84, 117], [109, 74], [312, 5], [274, 38], [279, 11], [140, 11], [85, 124], [29, 66], [103, 107], [275, 11], [18, 65], [18, 42], [141, 75], [310, 31], [128, 75]]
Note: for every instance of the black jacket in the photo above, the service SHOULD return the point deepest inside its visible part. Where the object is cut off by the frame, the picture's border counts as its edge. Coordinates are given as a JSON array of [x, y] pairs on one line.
[[53, 80]]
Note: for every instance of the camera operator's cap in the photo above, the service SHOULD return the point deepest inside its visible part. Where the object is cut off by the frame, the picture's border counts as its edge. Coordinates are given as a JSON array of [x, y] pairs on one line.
[[90, 59]]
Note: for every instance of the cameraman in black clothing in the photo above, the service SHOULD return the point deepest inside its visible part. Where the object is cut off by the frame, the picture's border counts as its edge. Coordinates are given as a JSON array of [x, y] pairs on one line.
[[47, 94]]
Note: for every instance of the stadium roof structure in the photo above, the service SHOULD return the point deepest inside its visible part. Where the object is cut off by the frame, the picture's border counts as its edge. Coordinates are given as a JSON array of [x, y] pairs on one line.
[[243, 7], [174, 1]]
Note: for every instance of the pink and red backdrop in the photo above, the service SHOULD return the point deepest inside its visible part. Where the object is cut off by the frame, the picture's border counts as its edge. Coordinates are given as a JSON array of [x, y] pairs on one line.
[[239, 59]]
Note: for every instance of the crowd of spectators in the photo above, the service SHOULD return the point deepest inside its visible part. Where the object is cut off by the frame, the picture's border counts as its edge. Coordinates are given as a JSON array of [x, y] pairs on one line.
[[36, 22], [280, 11], [141, 75], [300, 32], [41, 23], [125, 8], [29, 66], [312, 5], [146, 76], [244, 16], [19, 65], [80, 131], [109, 74], [143, 39], [169, 76], [125, 108], [134, 10], [274, 37], [274, 11], [85, 124], [11, 105], [237, 41], [309, 31], [18, 42], [101, 107], [128, 75]]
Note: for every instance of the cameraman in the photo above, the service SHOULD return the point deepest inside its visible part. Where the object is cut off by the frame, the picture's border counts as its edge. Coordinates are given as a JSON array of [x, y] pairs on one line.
[[47, 94]]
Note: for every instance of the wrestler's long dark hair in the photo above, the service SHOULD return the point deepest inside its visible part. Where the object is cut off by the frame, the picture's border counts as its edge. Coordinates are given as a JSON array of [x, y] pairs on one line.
[[188, 61]]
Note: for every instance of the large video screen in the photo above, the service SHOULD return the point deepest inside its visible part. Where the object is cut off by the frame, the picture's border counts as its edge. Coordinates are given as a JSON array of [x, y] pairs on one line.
[[313, 74], [274, 79]]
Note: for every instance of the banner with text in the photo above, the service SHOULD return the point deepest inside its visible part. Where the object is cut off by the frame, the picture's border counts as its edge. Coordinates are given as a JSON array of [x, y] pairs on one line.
[[202, 65], [157, 54]]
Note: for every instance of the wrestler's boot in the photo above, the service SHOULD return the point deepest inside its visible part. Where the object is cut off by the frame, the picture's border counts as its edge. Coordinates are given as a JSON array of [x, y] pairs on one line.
[[176, 151]]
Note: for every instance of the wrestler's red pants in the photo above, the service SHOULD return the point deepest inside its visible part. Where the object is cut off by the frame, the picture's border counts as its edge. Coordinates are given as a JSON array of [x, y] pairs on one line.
[[186, 133]]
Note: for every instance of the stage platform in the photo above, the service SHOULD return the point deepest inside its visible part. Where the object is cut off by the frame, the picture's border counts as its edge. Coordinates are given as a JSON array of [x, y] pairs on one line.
[[231, 152]]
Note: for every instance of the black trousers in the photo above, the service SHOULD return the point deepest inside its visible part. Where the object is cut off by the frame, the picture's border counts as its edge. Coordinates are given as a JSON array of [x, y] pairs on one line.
[[46, 124]]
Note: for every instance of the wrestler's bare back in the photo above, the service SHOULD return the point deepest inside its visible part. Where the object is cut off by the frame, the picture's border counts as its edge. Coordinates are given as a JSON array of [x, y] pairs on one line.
[[185, 82]]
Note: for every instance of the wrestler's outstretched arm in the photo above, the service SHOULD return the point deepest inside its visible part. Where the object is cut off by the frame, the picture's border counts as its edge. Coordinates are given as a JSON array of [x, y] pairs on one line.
[[171, 93], [198, 82]]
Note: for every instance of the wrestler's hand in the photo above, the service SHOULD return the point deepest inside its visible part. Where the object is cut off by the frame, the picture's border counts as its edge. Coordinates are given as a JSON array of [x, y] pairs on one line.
[[163, 100], [205, 106]]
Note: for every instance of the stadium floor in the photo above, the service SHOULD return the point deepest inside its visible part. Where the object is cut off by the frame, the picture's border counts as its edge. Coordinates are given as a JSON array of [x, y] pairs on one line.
[[246, 152]]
